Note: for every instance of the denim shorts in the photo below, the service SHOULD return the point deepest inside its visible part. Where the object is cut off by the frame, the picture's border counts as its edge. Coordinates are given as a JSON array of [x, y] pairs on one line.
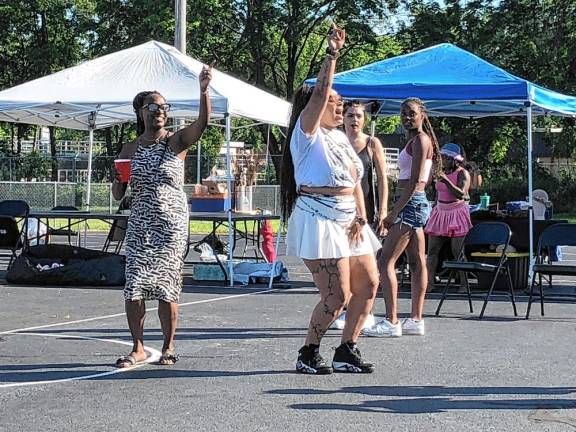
[[416, 212]]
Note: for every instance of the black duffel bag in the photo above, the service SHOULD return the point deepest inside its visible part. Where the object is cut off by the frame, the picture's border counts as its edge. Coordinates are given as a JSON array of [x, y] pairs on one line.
[[74, 266]]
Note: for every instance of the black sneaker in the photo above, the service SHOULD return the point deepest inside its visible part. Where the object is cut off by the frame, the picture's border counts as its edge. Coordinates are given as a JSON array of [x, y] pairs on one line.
[[311, 362], [347, 358]]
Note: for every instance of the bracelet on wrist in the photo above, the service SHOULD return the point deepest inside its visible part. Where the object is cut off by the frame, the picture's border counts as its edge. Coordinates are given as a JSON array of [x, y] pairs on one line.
[[360, 221], [332, 54]]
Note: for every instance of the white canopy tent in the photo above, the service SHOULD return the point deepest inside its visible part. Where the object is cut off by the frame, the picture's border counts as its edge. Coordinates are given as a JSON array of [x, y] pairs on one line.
[[98, 94]]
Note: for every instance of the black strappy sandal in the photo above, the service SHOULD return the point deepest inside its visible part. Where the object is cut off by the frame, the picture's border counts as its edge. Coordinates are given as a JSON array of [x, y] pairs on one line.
[[169, 358], [128, 361]]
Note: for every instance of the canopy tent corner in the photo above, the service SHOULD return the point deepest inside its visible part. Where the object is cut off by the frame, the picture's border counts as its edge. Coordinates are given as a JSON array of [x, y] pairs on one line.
[[453, 82], [98, 93]]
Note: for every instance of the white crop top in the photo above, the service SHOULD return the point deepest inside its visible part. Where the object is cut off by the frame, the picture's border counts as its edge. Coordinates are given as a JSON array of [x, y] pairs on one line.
[[324, 158], [405, 166]]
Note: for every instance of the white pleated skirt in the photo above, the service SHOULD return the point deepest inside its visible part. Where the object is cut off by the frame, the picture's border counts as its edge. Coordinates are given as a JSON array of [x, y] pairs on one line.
[[318, 229]]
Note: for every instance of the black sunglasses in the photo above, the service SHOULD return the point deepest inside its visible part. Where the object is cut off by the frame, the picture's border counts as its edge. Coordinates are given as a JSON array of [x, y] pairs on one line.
[[157, 107]]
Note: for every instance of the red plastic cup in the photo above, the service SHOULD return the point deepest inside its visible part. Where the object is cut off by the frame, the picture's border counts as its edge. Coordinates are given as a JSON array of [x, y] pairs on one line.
[[123, 168]]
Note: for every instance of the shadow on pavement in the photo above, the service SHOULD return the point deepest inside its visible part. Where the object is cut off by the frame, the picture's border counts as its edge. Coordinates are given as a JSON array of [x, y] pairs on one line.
[[436, 399]]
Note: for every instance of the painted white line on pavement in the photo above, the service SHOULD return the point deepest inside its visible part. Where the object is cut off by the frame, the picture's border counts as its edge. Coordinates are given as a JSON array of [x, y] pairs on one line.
[[124, 313], [154, 356]]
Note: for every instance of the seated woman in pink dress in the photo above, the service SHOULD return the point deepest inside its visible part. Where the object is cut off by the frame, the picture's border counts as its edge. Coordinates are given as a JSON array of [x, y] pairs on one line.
[[450, 217]]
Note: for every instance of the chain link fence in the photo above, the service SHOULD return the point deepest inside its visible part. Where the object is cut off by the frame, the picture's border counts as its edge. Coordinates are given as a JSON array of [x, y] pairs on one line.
[[41, 168], [46, 195]]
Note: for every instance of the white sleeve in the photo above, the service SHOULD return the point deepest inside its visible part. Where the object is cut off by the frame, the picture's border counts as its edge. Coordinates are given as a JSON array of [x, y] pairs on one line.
[[301, 141]]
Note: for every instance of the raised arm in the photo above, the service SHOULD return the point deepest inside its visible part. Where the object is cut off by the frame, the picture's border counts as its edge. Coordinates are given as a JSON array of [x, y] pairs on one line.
[[311, 115], [184, 138]]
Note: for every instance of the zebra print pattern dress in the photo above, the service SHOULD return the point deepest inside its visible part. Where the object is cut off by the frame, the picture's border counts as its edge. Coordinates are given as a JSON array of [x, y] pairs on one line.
[[157, 234]]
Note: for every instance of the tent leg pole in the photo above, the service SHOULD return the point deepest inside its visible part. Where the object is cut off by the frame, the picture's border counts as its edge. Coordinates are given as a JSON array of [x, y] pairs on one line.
[[89, 177], [198, 153], [530, 187], [229, 199]]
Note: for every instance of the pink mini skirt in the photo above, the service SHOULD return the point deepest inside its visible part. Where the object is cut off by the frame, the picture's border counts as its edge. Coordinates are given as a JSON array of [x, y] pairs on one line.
[[449, 220]]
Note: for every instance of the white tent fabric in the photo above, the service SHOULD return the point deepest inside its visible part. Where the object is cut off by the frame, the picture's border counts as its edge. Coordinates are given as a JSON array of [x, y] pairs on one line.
[[107, 85], [98, 94]]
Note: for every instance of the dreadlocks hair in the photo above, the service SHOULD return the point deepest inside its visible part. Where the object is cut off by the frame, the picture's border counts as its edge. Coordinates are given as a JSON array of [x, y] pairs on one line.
[[288, 193], [427, 127], [138, 103]]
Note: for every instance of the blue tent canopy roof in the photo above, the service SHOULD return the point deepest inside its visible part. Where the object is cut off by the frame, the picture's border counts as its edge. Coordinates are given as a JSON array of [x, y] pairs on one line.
[[452, 82]]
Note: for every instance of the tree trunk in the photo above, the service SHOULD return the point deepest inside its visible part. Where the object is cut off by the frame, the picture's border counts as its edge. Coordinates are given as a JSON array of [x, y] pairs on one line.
[[120, 139], [12, 137], [20, 131], [52, 135], [108, 138]]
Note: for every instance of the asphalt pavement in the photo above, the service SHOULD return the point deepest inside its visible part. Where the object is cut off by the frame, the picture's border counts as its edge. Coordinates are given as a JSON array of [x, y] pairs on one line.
[[238, 348]]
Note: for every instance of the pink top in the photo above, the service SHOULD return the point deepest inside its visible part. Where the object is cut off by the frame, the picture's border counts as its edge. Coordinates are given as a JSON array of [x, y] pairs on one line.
[[405, 164], [444, 193]]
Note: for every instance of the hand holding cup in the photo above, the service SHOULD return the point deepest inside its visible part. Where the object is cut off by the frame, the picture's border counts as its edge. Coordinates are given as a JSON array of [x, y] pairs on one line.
[[123, 168]]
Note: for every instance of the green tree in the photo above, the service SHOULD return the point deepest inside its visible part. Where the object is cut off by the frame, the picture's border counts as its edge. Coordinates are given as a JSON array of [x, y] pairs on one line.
[[531, 39]]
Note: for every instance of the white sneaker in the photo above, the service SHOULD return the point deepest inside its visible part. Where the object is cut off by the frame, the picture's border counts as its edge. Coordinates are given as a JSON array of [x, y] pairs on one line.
[[339, 322], [383, 328], [370, 321], [413, 327]]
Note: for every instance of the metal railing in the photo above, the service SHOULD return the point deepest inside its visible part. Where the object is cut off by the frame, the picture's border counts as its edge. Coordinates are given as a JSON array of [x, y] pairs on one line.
[[63, 147]]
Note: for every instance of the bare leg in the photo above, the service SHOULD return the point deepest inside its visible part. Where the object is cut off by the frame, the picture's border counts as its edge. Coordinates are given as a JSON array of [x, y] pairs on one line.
[[395, 244], [363, 287], [434, 247], [168, 314], [136, 314], [332, 277], [417, 257]]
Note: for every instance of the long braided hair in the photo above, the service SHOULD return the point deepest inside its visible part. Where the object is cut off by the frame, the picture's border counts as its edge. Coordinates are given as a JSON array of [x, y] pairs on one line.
[[288, 193], [428, 130], [137, 104]]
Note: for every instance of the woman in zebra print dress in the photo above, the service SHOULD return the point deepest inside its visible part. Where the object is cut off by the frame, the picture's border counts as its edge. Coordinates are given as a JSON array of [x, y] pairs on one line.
[[157, 234]]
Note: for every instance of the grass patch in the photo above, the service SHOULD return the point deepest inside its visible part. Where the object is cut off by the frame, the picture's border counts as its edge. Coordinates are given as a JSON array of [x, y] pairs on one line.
[[570, 217], [196, 227]]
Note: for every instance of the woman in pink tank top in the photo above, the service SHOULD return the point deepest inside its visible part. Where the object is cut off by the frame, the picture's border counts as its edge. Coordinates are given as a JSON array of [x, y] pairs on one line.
[[450, 218]]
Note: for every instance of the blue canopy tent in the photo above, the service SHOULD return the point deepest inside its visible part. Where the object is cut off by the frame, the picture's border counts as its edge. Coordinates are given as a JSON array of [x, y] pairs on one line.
[[453, 83]]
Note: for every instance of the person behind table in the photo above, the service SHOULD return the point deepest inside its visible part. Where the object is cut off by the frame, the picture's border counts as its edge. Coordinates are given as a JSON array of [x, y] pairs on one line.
[[370, 151], [450, 218], [157, 233], [405, 222], [322, 195]]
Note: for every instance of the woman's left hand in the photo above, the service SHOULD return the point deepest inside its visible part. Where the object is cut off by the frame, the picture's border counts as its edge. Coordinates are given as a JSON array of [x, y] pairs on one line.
[[336, 38], [389, 220], [355, 232], [381, 230], [205, 77]]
